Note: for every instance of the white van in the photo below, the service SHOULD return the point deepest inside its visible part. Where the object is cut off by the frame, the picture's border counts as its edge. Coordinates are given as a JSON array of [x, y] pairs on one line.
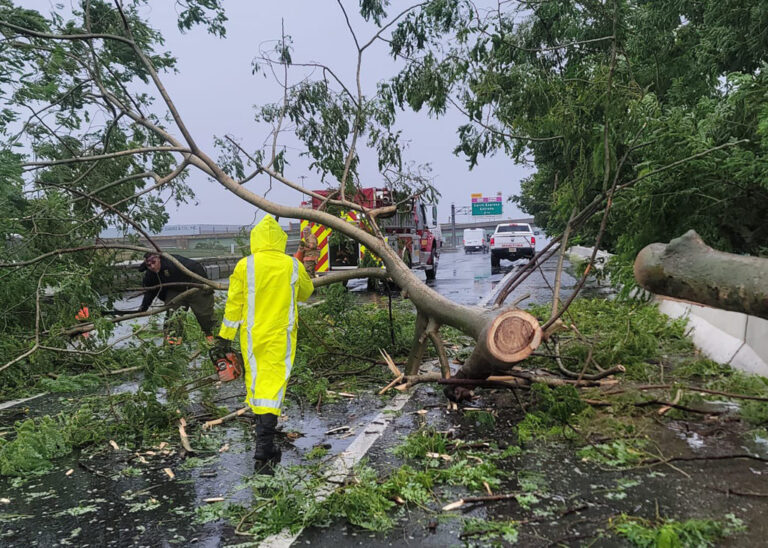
[[474, 240]]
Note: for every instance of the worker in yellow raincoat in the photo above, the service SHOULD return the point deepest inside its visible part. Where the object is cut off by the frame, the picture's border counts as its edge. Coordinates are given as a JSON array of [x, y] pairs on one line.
[[264, 291]]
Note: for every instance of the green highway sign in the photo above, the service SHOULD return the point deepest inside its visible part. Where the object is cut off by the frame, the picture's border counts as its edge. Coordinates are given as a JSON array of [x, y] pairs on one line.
[[486, 208]]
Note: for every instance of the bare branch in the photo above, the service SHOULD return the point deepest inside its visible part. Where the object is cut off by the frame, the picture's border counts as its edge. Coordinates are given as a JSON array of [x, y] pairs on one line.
[[118, 154]]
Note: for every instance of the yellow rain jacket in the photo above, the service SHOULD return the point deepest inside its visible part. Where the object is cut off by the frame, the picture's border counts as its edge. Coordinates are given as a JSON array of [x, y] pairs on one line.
[[264, 291]]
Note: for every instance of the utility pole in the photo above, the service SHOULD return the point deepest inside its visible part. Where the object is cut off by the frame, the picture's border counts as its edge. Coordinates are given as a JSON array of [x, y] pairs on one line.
[[453, 224]]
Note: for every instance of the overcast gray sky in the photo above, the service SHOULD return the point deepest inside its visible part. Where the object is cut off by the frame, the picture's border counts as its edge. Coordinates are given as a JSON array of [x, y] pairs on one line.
[[215, 93]]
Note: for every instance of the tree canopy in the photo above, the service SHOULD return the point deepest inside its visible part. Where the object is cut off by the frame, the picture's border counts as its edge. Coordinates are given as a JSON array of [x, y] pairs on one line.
[[664, 101]]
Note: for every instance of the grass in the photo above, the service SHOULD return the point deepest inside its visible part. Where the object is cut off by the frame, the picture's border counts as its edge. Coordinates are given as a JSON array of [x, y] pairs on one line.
[[662, 533]]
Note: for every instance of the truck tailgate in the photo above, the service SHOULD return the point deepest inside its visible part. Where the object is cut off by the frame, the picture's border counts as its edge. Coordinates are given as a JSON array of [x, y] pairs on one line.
[[511, 241]]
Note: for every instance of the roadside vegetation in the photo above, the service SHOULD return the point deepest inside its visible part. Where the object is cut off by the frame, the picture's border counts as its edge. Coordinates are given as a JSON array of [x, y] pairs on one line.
[[612, 426]]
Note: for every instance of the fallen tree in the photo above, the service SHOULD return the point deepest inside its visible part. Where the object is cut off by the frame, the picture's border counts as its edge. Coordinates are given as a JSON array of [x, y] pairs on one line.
[[686, 268], [97, 171], [504, 335]]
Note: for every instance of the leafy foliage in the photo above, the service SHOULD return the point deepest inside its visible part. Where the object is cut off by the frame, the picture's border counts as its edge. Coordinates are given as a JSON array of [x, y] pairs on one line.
[[632, 334], [342, 335], [486, 530], [692, 533], [632, 92], [71, 167]]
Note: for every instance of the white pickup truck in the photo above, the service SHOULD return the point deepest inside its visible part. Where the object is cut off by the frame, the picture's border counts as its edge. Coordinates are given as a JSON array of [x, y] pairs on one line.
[[512, 241]]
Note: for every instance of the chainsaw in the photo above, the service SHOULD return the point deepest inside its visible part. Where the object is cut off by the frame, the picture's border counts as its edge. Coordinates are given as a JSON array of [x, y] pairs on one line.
[[228, 364]]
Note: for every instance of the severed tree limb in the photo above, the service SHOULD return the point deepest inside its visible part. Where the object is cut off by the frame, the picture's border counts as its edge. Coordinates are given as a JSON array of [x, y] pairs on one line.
[[515, 379], [418, 346], [183, 436], [225, 418], [700, 458], [689, 269], [665, 406], [687, 387], [85, 327], [592, 377], [433, 332], [487, 498], [560, 260], [342, 275]]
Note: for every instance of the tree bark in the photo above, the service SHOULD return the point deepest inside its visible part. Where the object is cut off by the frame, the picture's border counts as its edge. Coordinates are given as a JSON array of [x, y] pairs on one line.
[[690, 270]]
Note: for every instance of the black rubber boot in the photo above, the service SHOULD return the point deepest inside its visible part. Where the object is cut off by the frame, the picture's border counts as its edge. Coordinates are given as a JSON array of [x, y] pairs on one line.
[[266, 455]]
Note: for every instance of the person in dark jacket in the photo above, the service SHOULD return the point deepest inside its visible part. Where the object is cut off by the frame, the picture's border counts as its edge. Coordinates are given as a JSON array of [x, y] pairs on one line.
[[158, 273]]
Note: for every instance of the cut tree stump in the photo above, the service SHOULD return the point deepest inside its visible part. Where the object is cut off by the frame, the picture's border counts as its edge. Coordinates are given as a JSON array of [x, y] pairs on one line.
[[690, 270]]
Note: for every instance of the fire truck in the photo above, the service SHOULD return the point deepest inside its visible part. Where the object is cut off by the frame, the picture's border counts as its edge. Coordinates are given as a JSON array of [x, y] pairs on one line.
[[412, 231]]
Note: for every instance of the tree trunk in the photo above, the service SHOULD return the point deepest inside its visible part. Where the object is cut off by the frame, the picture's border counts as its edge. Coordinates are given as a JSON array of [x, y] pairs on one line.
[[688, 269]]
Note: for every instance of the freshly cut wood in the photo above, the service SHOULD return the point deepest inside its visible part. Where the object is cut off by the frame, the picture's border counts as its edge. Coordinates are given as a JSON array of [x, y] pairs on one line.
[[509, 337], [225, 418], [183, 435], [690, 270]]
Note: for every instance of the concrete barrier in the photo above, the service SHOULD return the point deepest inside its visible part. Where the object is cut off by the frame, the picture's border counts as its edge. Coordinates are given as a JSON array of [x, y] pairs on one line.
[[732, 338], [735, 339]]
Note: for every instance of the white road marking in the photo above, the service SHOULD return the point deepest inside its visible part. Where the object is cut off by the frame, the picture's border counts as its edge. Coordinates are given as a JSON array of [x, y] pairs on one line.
[[344, 462]]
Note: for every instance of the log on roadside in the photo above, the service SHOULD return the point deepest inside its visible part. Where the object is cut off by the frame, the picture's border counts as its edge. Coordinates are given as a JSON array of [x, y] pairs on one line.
[[690, 270]]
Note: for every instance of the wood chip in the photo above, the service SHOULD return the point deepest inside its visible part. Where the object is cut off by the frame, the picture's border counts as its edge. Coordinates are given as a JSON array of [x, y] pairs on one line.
[[397, 499], [162, 446], [665, 409], [114, 445], [169, 472], [183, 435], [452, 506], [69, 472], [224, 448], [487, 488], [446, 458], [391, 384], [214, 499], [225, 418], [422, 412], [390, 363], [342, 394]]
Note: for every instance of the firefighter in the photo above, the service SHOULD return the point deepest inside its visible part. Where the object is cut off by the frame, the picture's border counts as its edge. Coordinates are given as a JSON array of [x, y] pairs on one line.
[[264, 291], [158, 272], [311, 253]]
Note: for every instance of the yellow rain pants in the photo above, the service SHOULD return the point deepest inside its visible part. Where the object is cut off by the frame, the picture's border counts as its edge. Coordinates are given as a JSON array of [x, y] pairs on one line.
[[264, 291]]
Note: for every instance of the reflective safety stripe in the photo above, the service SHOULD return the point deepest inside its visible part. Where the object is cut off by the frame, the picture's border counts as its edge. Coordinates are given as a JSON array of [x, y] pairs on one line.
[[291, 323], [229, 323], [269, 404], [251, 269]]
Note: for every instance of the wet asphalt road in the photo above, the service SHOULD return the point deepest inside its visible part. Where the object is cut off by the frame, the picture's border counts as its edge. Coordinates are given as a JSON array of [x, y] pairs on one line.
[[469, 278]]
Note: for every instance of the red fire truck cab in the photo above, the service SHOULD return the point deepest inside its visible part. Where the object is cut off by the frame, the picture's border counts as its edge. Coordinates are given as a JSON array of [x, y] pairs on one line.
[[412, 231]]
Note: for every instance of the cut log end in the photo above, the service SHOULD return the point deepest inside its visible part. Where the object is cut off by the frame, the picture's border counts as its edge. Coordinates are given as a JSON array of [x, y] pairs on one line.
[[513, 335]]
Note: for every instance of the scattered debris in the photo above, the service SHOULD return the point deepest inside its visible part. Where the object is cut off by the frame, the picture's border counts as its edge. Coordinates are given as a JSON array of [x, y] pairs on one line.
[[223, 419], [183, 435]]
